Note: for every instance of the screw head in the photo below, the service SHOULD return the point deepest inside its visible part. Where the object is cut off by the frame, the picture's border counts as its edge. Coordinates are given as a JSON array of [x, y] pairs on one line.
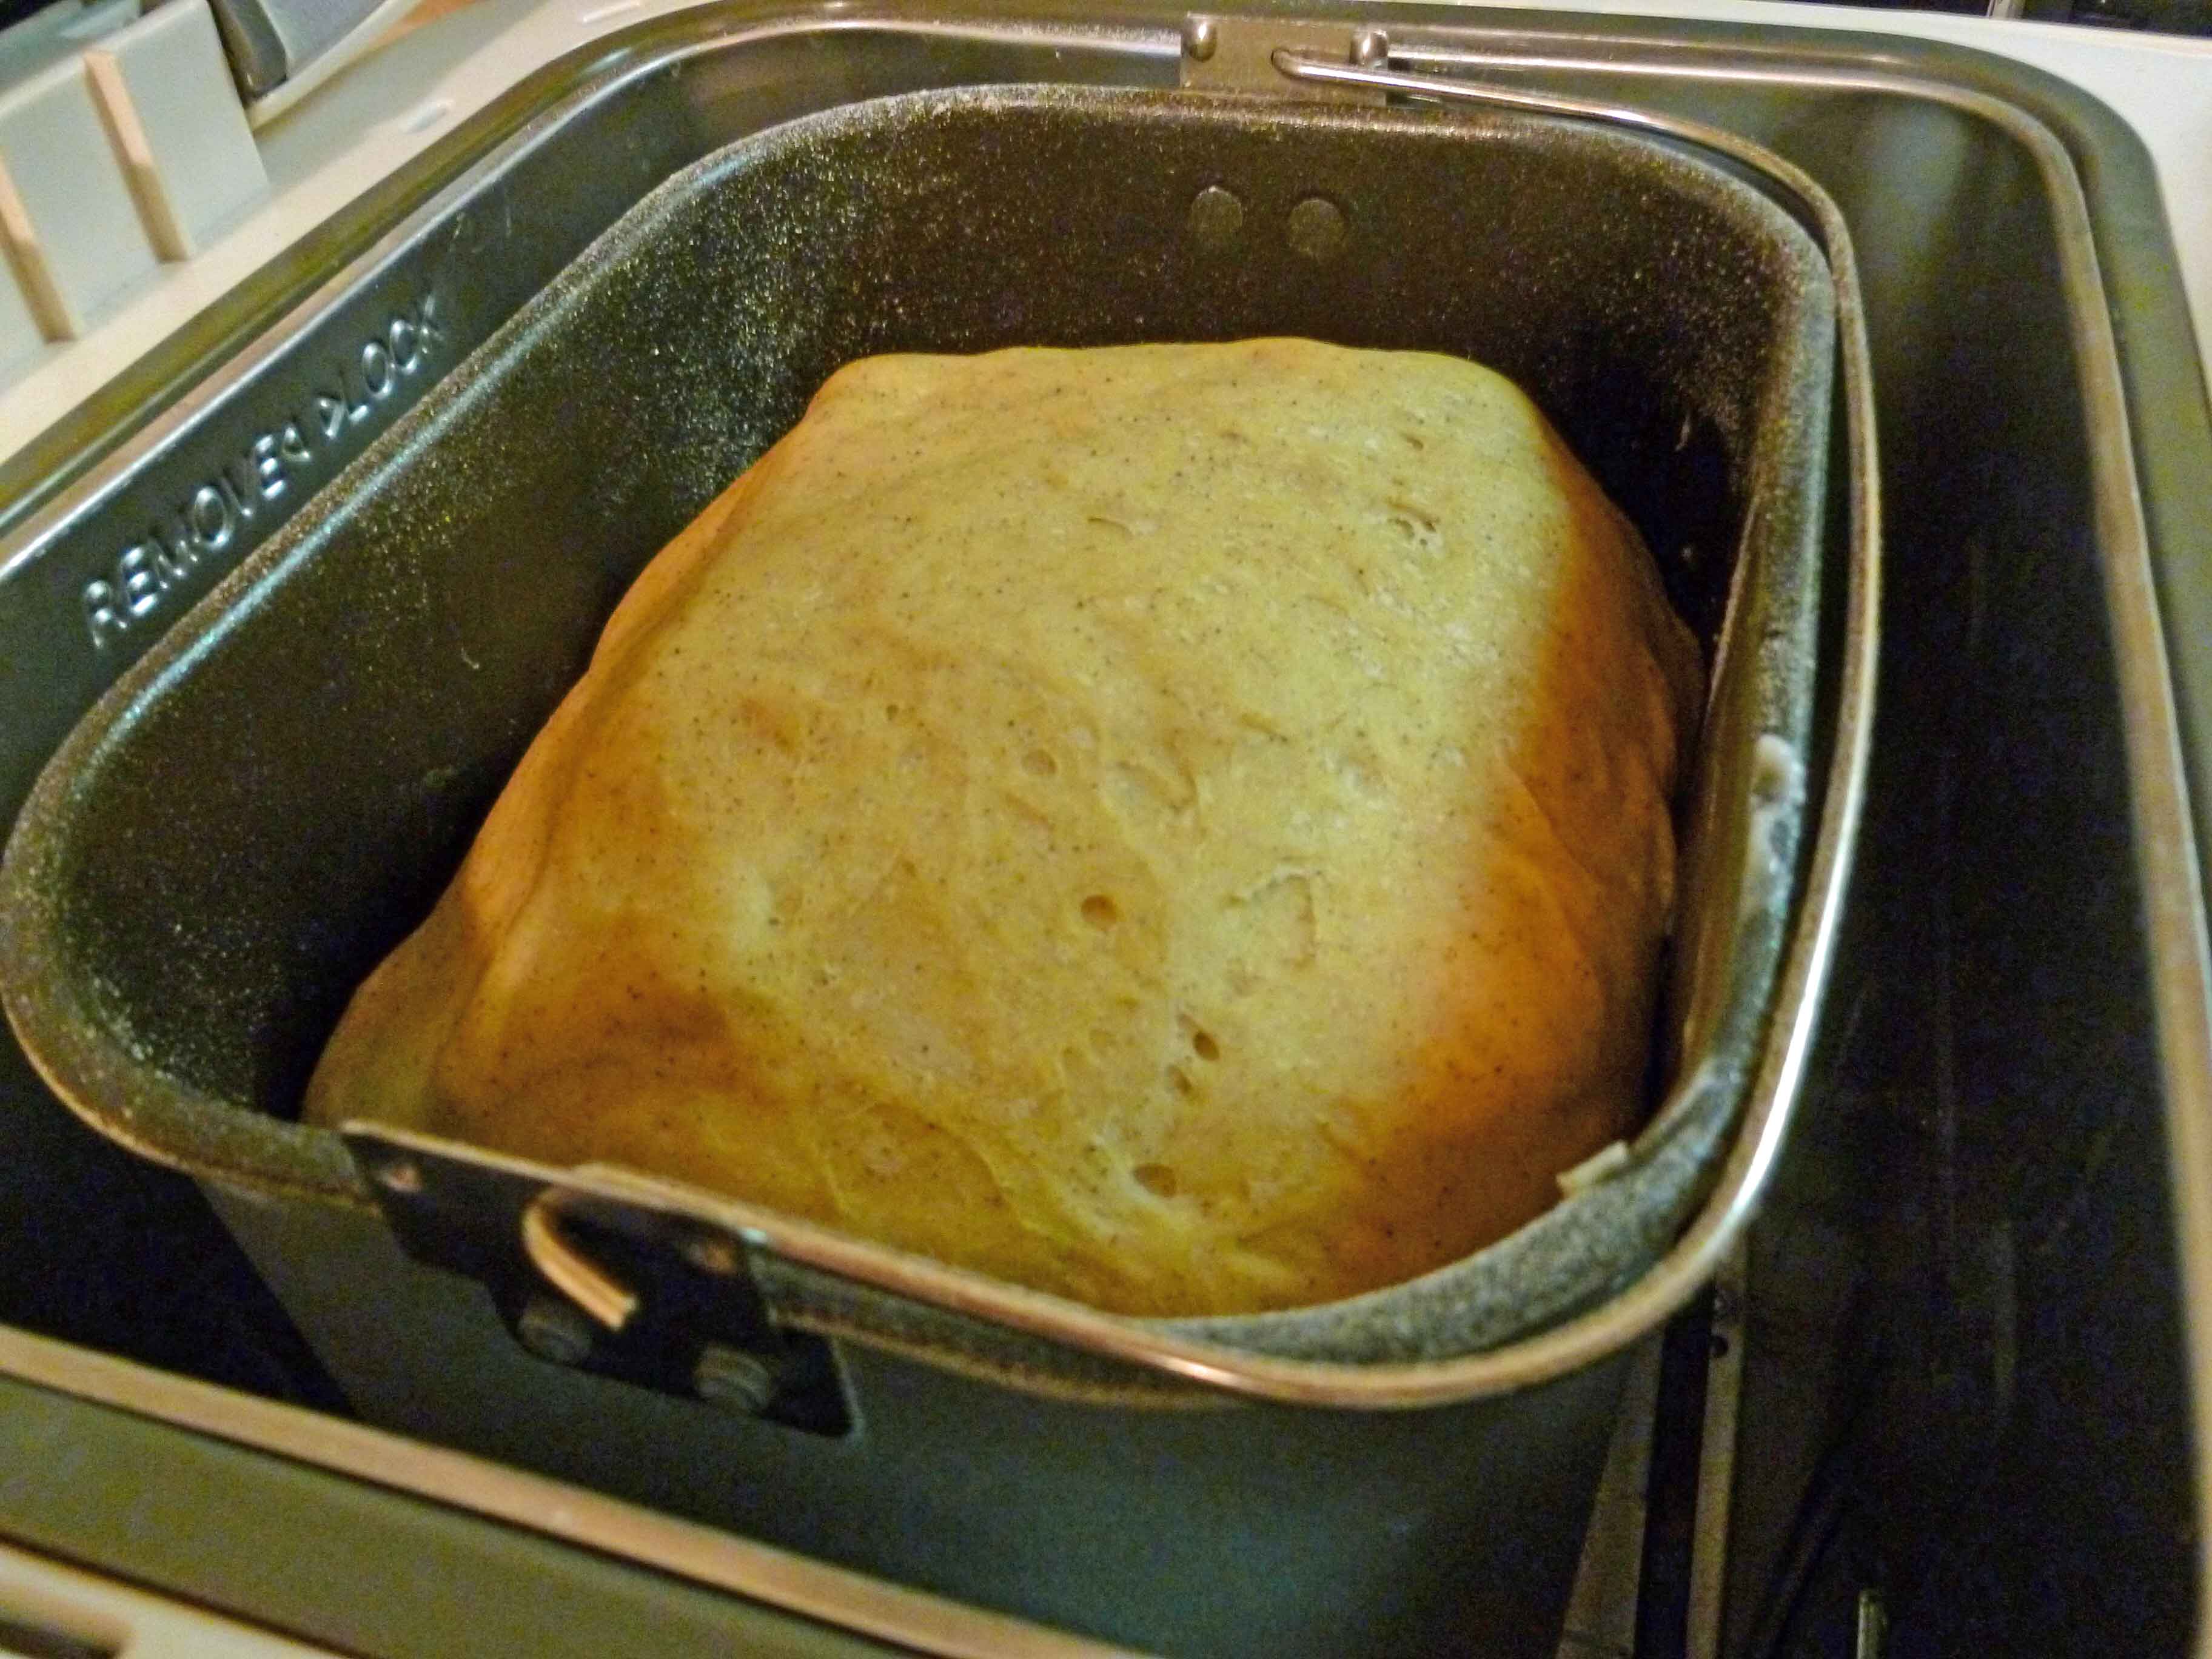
[[1316, 229], [1200, 39], [735, 1380], [1370, 49], [555, 1330], [401, 1174]]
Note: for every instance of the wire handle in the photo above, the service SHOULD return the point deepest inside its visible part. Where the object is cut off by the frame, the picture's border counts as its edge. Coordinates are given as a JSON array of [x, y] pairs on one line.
[[567, 1269], [1834, 233]]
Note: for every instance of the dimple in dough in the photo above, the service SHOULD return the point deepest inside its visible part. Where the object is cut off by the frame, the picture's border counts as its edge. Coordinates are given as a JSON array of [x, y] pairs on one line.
[[1186, 827]]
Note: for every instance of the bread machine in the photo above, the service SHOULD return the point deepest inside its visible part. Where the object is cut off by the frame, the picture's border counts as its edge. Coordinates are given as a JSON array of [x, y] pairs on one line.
[[1887, 1236]]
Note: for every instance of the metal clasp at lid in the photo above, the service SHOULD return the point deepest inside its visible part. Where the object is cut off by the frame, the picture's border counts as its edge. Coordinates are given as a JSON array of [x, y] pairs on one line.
[[1237, 54]]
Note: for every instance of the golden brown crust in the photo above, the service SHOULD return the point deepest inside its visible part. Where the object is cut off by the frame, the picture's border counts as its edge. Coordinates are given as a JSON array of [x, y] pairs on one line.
[[1186, 827]]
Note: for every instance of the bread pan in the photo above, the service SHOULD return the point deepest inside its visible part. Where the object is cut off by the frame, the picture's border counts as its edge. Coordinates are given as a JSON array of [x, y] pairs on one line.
[[277, 791], [1979, 1173]]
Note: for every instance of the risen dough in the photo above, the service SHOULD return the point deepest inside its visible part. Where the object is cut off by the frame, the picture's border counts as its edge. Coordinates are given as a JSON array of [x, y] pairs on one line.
[[1185, 827]]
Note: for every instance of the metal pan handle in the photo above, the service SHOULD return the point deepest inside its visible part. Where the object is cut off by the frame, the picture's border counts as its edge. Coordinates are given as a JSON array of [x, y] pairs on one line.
[[1369, 72]]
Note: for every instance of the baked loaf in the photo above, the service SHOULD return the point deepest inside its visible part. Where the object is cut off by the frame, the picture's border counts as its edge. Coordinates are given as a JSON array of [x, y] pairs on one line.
[[1186, 827]]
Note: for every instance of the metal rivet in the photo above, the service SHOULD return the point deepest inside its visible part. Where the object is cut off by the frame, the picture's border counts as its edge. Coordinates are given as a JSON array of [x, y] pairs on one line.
[[1370, 49], [1316, 229], [1216, 217], [1200, 37], [710, 1255], [1774, 772], [401, 1175], [733, 1379], [555, 1330]]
